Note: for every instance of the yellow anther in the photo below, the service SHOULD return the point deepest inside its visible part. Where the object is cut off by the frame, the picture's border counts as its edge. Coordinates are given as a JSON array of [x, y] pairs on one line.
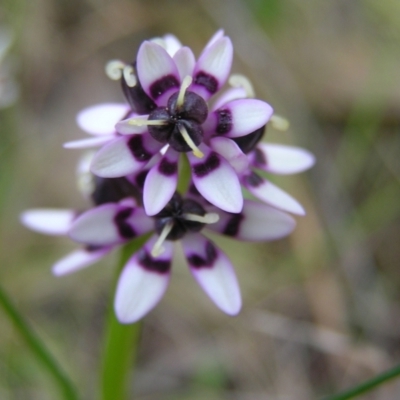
[[114, 69], [279, 123]]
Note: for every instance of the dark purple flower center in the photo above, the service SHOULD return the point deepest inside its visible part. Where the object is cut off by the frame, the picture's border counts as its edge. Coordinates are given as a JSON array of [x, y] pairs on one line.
[[248, 142], [137, 98], [112, 190], [187, 116], [174, 212]]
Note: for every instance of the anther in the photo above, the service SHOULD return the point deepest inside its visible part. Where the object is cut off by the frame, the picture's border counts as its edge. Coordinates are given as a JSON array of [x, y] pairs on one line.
[[279, 123], [209, 218], [237, 80], [114, 69], [157, 248], [129, 76], [187, 81], [196, 151]]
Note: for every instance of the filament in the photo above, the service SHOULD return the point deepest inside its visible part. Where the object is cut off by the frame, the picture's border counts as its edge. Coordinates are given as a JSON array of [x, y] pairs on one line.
[[209, 218], [158, 248], [237, 80], [143, 122], [196, 151], [187, 81]]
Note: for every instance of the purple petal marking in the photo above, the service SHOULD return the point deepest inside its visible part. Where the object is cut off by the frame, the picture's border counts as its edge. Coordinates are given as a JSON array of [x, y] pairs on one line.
[[157, 72], [216, 180], [241, 117], [280, 159], [232, 153], [185, 62], [214, 272], [110, 224], [48, 221], [126, 128], [213, 67], [271, 194], [161, 182], [101, 119], [79, 259], [142, 283], [230, 94], [124, 156], [90, 142], [256, 223]]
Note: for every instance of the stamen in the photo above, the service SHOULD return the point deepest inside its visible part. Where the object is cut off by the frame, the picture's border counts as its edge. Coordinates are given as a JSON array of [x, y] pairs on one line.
[[280, 123], [129, 76], [237, 80], [114, 69], [157, 248], [209, 218], [187, 81], [196, 151], [143, 122]]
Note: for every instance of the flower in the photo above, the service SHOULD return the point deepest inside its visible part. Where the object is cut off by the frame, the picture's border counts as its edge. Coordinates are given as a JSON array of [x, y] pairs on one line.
[[247, 154], [168, 93], [144, 279]]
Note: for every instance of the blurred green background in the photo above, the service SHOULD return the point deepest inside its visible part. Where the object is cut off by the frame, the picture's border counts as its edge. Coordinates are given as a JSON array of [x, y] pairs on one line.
[[322, 307]]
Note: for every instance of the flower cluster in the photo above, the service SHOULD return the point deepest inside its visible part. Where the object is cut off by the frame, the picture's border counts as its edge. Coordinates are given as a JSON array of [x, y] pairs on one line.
[[176, 107]]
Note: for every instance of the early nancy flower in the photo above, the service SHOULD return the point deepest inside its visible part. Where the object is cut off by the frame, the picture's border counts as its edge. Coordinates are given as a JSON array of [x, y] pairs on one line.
[[145, 277], [168, 93]]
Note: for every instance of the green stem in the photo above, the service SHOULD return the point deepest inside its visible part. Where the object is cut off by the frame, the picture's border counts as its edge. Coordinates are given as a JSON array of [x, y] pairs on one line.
[[367, 386], [27, 333], [121, 341]]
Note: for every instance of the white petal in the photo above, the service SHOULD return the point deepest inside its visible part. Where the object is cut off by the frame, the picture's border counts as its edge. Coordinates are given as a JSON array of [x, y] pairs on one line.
[[280, 159], [214, 272], [185, 62], [216, 180], [78, 259], [272, 194], [142, 283], [230, 94], [97, 226], [247, 115], [256, 223], [157, 72], [87, 143], [228, 149], [110, 224], [217, 35], [172, 44], [48, 220], [213, 67], [161, 182], [101, 119], [120, 157]]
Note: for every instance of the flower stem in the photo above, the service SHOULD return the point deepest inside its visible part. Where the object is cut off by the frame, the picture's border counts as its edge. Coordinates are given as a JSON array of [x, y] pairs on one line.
[[366, 386], [184, 174], [121, 341], [37, 347]]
